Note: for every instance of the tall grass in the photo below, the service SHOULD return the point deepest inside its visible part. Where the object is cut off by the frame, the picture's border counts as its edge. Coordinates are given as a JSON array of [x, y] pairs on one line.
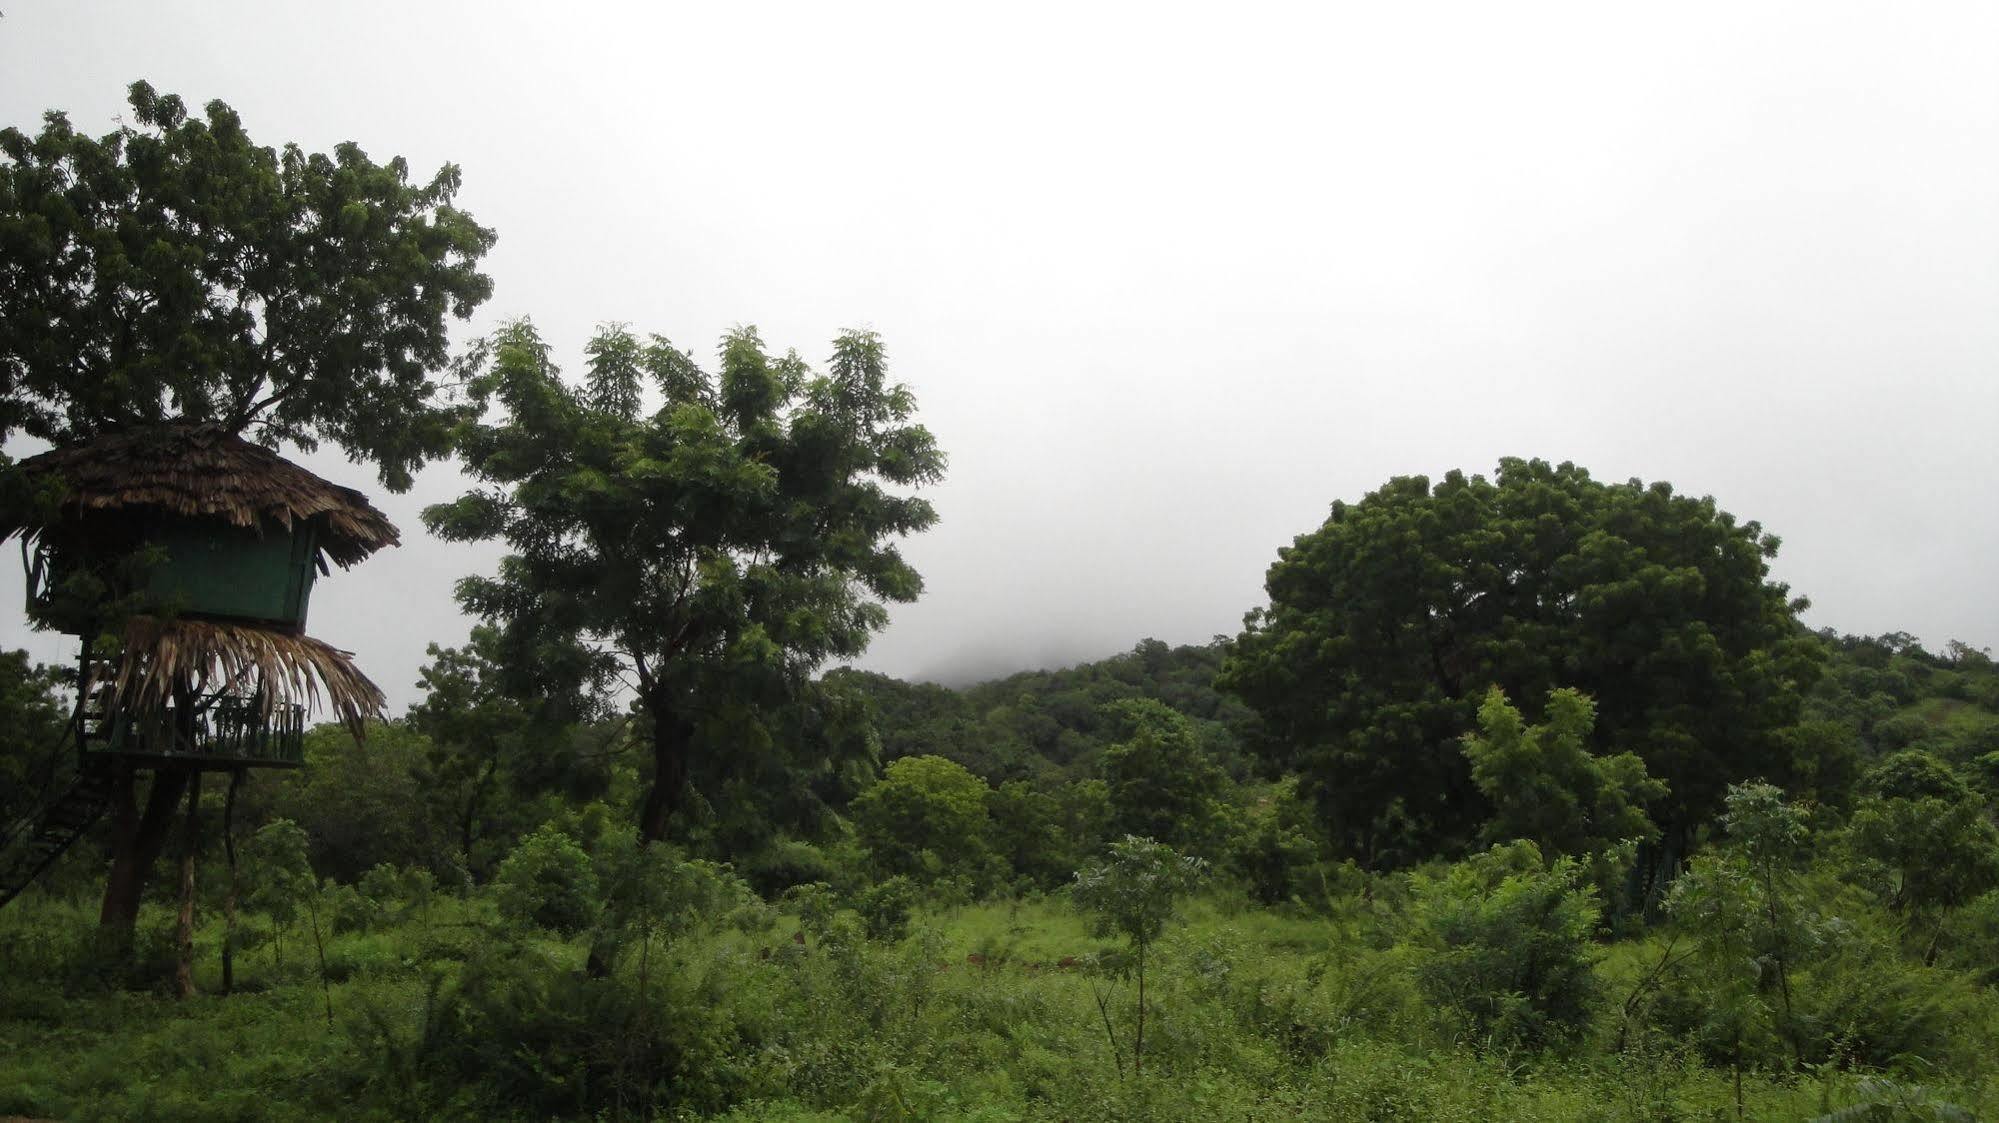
[[1257, 1014]]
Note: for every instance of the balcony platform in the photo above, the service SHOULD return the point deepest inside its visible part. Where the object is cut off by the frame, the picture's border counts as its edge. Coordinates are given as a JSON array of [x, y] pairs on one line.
[[229, 733]]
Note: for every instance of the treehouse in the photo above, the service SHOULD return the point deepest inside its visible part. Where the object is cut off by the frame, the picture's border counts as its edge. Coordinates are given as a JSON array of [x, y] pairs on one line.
[[196, 552]]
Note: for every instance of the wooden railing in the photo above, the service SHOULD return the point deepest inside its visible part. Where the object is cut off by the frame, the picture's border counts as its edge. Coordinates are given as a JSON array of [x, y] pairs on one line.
[[225, 732]]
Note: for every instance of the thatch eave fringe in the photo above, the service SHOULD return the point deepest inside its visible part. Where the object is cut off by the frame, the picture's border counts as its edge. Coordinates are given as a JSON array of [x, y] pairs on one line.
[[166, 660]]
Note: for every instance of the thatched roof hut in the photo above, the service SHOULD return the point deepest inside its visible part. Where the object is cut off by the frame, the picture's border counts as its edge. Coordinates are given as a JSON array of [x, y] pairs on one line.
[[242, 530], [202, 471]]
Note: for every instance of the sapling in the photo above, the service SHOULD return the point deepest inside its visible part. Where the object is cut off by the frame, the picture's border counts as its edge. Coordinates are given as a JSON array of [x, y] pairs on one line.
[[281, 877], [1132, 895], [1772, 836]]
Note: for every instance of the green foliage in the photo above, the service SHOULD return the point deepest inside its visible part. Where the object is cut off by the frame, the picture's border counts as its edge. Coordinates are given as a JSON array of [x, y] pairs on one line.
[[1915, 774], [1848, 993], [925, 817], [1916, 724], [278, 870], [1134, 893], [1861, 1000], [1546, 787], [1051, 726], [1744, 914], [1503, 940], [1161, 782], [1888, 1101], [175, 270], [1969, 939], [884, 908], [1254, 1014], [394, 894], [1277, 849], [1826, 761], [786, 862], [1721, 911], [792, 772], [363, 804], [716, 550], [655, 892], [490, 754], [1388, 624], [1938, 853], [32, 725], [1770, 830], [548, 882], [1031, 834], [520, 1037], [815, 905]]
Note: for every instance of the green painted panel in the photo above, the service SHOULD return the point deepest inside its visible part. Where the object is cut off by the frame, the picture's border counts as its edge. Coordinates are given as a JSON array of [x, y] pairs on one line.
[[219, 570]]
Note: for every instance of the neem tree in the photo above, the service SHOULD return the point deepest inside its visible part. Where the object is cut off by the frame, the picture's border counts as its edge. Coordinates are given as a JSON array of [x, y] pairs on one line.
[[709, 554], [174, 270], [1388, 625]]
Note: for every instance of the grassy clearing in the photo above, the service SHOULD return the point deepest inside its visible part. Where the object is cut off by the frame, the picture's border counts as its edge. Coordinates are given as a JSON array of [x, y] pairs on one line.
[[1258, 1014]]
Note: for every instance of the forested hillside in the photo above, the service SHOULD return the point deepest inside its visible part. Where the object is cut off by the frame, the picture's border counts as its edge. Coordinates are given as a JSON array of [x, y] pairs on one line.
[[1051, 725]]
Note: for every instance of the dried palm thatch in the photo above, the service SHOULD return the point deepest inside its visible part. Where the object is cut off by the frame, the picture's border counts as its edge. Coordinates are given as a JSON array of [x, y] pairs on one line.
[[203, 471], [172, 660]]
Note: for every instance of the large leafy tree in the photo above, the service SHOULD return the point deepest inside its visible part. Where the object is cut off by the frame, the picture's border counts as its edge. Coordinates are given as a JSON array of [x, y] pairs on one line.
[[708, 555], [174, 270], [1387, 626]]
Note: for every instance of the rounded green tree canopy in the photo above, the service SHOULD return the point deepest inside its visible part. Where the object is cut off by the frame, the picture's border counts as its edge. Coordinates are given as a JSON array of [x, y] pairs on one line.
[[1388, 625], [175, 270]]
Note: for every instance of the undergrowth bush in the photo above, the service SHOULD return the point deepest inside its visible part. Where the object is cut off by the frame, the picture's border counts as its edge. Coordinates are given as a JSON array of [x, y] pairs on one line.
[[884, 908], [788, 862], [547, 882], [521, 1035], [1504, 942]]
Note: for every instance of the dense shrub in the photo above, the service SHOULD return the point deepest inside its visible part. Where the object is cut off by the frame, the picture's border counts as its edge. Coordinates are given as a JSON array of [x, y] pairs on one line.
[[884, 908], [363, 803], [547, 882], [1914, 774], [392, 894], [1503, 940], [520, 1036], [1277, 850], [926, 817], [1861, 1002], [788, 862], [1031, 833]]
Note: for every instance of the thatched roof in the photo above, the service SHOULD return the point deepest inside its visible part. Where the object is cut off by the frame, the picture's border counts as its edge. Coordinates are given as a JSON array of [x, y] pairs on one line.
[[164, 658], [202, 471]]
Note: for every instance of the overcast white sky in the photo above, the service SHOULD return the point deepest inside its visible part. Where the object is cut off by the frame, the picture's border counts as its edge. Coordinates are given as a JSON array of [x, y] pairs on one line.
[[1169, 281]]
